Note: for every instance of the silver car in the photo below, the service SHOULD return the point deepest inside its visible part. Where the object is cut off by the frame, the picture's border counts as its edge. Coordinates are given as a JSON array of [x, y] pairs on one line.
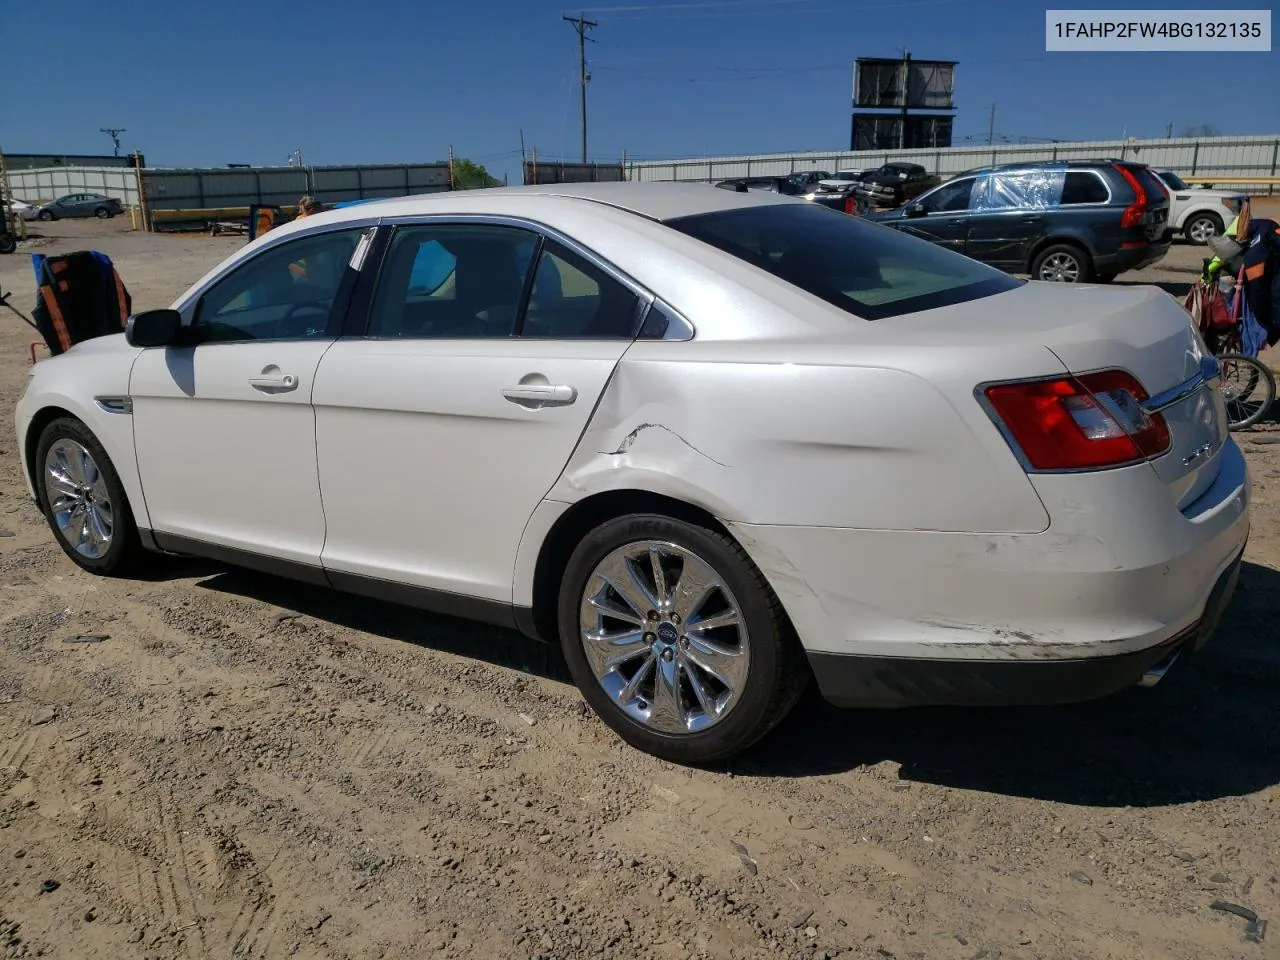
[[79, 205]]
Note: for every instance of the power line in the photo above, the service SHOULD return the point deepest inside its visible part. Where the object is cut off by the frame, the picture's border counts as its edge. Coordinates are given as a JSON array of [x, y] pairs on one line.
[[722, 9]]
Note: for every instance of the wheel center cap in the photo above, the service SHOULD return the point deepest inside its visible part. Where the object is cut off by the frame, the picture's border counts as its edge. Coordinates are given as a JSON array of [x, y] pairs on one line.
[[667, 633]]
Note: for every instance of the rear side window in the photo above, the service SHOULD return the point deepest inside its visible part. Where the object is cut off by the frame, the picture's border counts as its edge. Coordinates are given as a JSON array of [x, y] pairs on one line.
[[1156, 190], [1081, 186], [573, 299], [873, 272]]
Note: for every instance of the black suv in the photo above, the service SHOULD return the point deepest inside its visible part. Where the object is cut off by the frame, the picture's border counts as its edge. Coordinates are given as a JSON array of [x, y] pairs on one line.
[[1072, 221]]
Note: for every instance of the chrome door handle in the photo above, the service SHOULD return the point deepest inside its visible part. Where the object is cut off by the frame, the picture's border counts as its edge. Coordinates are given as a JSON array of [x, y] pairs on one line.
[[271, 384], [541, 394]]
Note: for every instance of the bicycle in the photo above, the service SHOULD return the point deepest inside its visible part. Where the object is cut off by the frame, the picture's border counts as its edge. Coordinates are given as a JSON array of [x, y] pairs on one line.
[[1240, 373], [1238, 376]]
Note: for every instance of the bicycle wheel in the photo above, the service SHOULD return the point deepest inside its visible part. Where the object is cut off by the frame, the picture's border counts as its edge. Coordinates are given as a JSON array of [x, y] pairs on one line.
[[1248, 387]]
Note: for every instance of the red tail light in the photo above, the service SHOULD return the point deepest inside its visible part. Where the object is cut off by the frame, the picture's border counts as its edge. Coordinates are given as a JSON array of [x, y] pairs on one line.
[[850, 204], [1078, 423], [1134, 212]]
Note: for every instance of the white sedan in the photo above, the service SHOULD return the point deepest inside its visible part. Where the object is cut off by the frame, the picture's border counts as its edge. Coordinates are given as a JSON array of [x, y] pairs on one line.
[[715, 444]]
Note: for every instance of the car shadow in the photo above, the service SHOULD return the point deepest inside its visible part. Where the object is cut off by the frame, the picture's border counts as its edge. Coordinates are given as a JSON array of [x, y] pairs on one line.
[[464, 638], [1210, 729]]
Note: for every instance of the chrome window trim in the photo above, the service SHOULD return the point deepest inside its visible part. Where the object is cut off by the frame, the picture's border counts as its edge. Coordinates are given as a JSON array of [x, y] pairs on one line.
[[185, 304], [646, 296]]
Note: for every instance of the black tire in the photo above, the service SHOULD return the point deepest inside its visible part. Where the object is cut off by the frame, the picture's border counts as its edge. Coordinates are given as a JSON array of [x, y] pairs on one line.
[[45, 215], [1239, 416], [777, 670], [8, 243], [102, 213], [125, 548], [1203, 225], [1061, 255]]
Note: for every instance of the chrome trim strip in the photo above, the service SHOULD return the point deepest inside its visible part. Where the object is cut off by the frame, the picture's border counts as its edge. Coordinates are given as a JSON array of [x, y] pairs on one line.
[[1174, 395], [115, 404]]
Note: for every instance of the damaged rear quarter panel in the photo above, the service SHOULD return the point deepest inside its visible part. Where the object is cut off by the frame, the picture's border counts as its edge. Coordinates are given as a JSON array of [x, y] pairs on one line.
[[731, 429]]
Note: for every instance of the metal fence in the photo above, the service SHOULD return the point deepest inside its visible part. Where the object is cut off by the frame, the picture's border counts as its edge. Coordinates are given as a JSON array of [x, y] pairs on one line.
[[237, 187], [281, 186], [53, 182], [1216, 157], [540, 172]]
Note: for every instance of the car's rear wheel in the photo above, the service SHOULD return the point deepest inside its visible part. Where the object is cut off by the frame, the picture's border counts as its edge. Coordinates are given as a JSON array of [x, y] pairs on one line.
[[1062, 263], [1202, 227], [83, 499], [8, 243], [676, 639], [102, 213], [45, 215]]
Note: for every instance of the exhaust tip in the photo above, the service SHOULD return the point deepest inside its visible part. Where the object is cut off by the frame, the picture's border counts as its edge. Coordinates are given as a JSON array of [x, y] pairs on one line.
[[1156, 673]]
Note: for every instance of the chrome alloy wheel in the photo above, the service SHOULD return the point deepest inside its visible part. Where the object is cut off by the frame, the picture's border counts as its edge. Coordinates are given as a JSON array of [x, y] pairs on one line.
[[1202, 228], [1060, 268], [78, 498], [664, 636]]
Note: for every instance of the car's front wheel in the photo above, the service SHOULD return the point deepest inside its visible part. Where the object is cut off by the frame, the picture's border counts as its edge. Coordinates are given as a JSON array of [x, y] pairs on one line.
[[83, 499], [676, 639], [1062, 263], [45, 215]]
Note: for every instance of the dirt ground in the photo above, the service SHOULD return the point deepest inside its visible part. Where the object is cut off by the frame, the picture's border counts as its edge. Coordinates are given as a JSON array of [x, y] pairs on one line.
[[245, 767]]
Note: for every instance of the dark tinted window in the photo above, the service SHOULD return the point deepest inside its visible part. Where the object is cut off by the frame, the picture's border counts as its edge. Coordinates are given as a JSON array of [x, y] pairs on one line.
[[284, 293], [950, 197], [1155, 187], [574, 299], [869, 270], [1081, 186], [444, 281], [1174, 181]]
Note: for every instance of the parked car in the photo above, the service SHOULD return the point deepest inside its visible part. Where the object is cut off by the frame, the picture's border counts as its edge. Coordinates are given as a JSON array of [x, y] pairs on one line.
[[893, 184], [843, 179], [1072, 222], [20, 208], [79, 205], [783, 185], [1199, 213], [598, 461], [808, 179]]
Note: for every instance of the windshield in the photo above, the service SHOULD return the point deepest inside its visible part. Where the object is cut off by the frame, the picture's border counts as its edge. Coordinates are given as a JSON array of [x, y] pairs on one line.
[[873, 272], [1173, 180]]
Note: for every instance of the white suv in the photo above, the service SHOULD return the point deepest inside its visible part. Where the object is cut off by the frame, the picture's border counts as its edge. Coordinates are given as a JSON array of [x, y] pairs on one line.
[[1199, 213]]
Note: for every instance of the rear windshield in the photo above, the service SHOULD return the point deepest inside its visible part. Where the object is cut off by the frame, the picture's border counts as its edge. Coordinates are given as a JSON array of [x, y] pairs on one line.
[[870, 270]]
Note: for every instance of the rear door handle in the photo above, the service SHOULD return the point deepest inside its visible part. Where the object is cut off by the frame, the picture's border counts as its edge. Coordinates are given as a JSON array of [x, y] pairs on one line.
[[275, 384], [535, 395]]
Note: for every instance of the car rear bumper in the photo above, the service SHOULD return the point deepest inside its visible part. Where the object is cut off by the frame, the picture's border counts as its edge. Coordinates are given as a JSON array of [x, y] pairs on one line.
[[854, 681], [1121, 578], [1134, 258]]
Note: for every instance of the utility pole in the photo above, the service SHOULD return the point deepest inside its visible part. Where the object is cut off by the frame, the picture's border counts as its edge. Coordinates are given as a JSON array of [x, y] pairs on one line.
[[452, 184], [581, 25], [1168, 132], [524, 160], [114, 134], [906, 97], [991, 127]]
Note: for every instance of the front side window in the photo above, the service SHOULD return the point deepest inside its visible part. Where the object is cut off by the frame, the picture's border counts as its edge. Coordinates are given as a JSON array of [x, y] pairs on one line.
[[951, 197], [872, 271], [287, 292], [573, 299], [452, 281]]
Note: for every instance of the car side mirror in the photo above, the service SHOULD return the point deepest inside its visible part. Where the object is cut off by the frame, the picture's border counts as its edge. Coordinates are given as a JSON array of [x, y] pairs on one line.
[[154, 328], [916, 210]]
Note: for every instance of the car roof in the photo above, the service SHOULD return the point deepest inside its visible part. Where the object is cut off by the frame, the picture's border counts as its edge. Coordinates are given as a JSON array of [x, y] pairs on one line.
[[661, 200]]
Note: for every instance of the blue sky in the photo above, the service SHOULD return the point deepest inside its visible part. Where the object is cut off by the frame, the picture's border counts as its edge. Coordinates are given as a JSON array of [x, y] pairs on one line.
[[391, 81]]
